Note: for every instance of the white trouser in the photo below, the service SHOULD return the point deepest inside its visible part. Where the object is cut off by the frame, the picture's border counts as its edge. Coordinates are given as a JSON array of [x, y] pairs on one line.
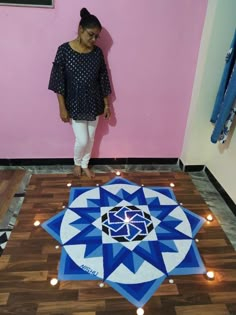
[[84, 137]]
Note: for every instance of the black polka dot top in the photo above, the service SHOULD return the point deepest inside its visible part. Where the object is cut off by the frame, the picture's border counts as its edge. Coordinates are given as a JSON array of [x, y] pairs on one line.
[[82, 79]]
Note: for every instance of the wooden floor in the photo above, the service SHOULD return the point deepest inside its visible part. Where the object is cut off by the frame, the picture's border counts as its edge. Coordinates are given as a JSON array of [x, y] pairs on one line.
[[30, 260], [9, 183]]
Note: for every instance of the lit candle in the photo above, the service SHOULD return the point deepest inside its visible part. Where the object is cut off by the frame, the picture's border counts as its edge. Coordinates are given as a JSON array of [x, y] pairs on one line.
[[209, 218], [140, 311], [54, 281], [101, 285], [171, 281], [210, 275], [118, 173], [36, 223], [172, 185], [68, 185]]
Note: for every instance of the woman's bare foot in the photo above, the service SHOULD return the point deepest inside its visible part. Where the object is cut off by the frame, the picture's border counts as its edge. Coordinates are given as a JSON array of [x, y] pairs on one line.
[[77, 170], [89, 173]]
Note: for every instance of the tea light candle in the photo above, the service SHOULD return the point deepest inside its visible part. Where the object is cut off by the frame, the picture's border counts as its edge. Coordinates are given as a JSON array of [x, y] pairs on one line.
[[209, 218], [210, 275], [68, 185], [37, 223], [172, 185], [140, 311], [54, 281], [118, 173], [101, 285]]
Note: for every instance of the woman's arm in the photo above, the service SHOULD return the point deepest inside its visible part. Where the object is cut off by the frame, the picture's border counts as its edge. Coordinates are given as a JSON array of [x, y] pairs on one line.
[[107, 111], [62, 108]]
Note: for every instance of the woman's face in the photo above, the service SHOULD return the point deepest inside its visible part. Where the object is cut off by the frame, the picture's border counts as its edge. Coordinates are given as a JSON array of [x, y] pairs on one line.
[[88, 36]]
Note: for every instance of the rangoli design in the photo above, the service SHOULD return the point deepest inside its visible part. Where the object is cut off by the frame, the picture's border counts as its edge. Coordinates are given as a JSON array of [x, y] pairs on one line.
[[128, 236]]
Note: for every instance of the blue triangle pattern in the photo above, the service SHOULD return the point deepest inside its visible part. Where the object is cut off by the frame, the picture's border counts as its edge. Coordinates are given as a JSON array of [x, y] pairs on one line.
[[153, 201], [135, 201], [146, 247], [156, 213], [87, 214], [108, 199], [84, 238], [80, 227], [111, 262], [133, 262], [139, 293], [165, 248], [75, 192], [172, 222], [166, 191], [120, 180], [137, 290], [53, 225], [137, 198], [164, 210], [192, 263], [93, 202], [161, 230], [93, 250], [71, 267], [123, 194], [165, 232], [170, 218], [94, 233], [154, 258], [116, 248], [68, 270], [195, 221], [170, 244], [189, 260]]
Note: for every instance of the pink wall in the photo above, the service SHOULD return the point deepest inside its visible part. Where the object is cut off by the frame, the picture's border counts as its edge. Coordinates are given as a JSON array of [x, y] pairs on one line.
[[151, 48]]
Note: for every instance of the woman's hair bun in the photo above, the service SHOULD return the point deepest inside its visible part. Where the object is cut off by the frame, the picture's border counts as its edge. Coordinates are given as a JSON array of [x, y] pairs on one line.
[[84, 12]]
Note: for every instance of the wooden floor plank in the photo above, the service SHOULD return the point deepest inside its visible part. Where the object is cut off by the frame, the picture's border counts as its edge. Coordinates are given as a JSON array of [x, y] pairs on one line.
[[4, 298], [218, 309], [9, 184]]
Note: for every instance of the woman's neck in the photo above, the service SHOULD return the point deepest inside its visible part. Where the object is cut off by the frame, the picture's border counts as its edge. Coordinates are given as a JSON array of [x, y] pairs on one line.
[[82, 48]]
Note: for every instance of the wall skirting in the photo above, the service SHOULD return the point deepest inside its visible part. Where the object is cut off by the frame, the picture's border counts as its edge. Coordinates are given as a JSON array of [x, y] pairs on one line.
[[93, 161]]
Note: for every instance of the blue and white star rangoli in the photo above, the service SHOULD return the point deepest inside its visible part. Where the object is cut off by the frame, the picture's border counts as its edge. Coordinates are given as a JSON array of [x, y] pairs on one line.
[[129, 236]]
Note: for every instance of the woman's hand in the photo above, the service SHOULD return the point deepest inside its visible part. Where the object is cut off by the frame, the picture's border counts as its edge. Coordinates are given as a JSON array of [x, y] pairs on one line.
[[107, 112], [64, 115]]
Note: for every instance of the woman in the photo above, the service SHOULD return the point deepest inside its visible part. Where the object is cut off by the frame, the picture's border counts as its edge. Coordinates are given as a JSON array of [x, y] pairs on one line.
[[79, 77]]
